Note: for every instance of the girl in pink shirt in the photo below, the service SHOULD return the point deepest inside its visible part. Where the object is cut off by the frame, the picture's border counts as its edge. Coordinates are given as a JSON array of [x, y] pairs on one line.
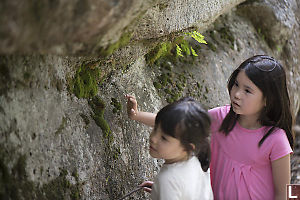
[[252, 138]]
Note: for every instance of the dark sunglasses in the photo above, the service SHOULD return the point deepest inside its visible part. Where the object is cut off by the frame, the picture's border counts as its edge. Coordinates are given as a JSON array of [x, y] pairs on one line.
[[265, 65]]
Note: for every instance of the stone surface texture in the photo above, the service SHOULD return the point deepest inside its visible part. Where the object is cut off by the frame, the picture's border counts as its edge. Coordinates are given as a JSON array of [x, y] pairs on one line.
[[55, 144]]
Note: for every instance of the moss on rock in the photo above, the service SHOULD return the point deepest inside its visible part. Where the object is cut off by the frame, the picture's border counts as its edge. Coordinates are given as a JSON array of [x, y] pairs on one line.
[[227, 36], [14, 183], [117, 105], [86, 80], [123, 41], [98, 107], [161, 50]]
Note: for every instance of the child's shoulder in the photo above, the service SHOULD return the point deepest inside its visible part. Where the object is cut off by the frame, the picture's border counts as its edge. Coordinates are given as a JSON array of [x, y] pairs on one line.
[[185, 166], [277, 133], [181, 170], [219, 112], [276, 138], [278, 144]]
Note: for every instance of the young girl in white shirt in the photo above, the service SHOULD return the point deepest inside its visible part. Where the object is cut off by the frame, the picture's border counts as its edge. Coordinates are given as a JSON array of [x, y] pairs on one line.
[[181, 137]]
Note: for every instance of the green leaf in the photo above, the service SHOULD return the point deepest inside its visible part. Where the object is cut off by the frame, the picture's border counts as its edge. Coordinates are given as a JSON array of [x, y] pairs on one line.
[[197, 36], [193, 52], [185, 47], [178, 51]]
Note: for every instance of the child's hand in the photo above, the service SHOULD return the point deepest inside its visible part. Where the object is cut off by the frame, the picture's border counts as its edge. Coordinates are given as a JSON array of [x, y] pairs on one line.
[[147, 186], [131, 106]]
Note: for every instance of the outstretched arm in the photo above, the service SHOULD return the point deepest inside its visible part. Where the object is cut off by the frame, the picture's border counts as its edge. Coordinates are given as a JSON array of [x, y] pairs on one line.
[[147, 186], [281, 171], [146, 118]]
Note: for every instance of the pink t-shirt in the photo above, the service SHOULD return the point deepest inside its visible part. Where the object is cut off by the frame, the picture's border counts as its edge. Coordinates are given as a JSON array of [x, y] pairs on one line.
[[240, 170]]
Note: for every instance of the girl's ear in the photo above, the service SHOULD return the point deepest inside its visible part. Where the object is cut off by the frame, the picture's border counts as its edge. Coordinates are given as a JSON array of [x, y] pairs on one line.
[[193, 146]]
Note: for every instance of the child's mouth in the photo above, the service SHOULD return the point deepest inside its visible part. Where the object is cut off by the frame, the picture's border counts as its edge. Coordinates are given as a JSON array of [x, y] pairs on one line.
[[235, 104], [152, 149]]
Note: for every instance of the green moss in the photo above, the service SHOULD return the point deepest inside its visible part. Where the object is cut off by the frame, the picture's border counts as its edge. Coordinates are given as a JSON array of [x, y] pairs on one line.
[[211, 46], [182, 78], [172, 82], [75, 175], [166, 65], [15, 185], [85, 82], [227, 36], [117, 105], [116, 152], [163, 79], [123, 41], [171, 85], [98, 107], [206, 89], [179, 86], [157, 85], [159, 51], [169, 100], [85, 118], [101, 122], [61, 188], [261, 34]]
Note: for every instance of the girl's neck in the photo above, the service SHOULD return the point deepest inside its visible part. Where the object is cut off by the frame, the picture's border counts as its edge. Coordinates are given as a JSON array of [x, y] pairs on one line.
[[249, 122], [179, 159]]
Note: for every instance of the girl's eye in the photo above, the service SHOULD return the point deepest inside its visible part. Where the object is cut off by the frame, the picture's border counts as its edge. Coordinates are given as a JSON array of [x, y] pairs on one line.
[[248, 91], [164, 138]]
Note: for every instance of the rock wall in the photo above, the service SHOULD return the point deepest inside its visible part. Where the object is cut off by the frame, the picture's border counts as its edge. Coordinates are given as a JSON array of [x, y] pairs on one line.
[[66, 66]]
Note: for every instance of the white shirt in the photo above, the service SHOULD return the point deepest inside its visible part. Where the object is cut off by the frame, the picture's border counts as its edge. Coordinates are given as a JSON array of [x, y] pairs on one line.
[[182, 181]]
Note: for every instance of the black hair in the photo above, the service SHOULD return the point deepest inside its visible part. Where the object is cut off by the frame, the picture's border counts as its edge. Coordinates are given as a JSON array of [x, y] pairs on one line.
[[187, 121], [269, 76]]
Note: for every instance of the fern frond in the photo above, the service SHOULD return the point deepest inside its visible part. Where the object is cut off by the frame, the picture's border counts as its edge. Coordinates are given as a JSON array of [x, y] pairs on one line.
[[197, 36], [185, 47], [193, 52], [178, 51]]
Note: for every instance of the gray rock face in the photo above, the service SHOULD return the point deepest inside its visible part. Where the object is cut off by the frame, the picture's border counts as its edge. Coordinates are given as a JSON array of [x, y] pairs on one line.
[[61, 27], [62, 138], [84, 27]]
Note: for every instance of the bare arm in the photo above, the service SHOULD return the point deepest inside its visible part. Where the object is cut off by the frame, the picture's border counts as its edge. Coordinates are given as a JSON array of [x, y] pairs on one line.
[[146, 118], [281, 171]]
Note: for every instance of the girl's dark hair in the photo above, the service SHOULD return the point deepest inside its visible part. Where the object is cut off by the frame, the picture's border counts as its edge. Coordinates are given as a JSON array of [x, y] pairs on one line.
[[269, 76], [188, 122]]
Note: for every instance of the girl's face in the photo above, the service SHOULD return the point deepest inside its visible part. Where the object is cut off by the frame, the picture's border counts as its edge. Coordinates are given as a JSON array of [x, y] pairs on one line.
[[246, 98], [166, 147]]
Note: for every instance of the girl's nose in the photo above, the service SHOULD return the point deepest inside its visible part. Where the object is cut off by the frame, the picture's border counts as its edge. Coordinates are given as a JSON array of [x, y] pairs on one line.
[[153, 137], [237, 94]]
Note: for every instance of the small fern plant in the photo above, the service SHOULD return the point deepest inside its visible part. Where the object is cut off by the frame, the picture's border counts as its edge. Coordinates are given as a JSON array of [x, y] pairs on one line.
[[188, 49], [197, 36], [178, 50]]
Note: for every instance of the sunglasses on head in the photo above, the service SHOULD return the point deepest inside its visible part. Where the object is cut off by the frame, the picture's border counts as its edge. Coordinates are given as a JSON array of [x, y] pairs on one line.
[[265, 65]]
